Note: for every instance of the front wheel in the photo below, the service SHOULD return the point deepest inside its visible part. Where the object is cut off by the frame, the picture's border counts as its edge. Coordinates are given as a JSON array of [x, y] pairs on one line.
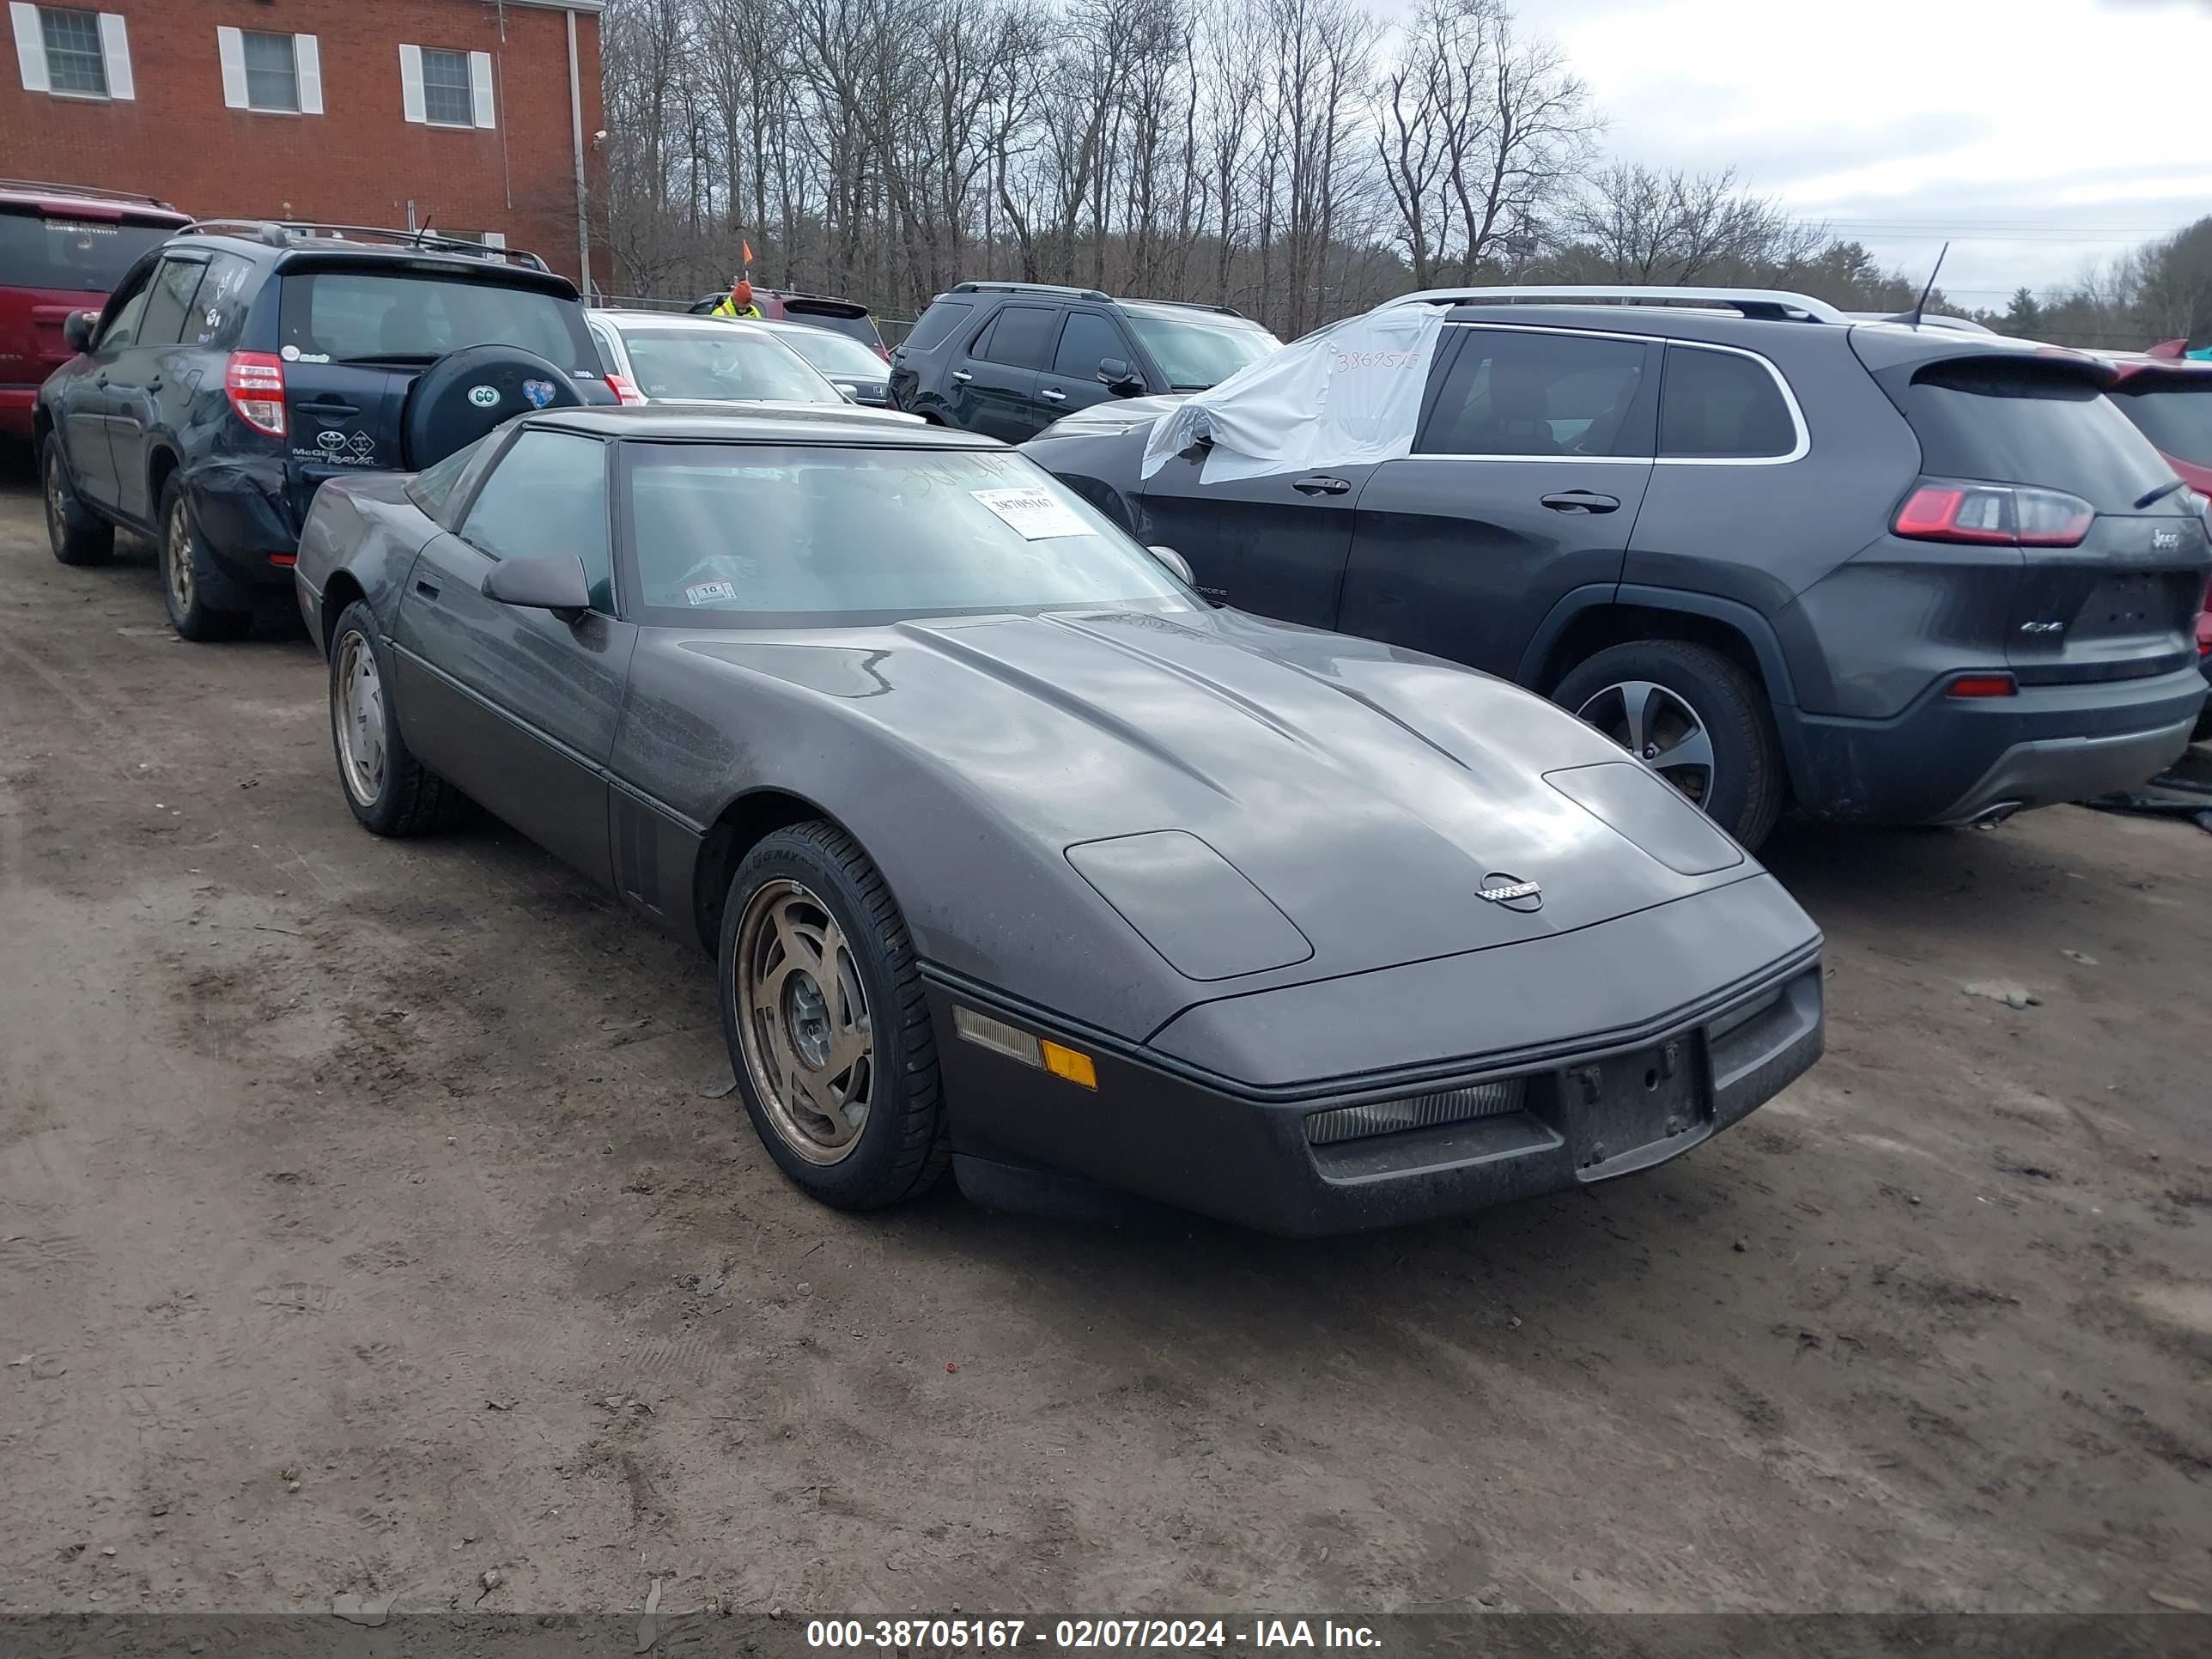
[[828, 1030], [1692, 716], [189, 582]]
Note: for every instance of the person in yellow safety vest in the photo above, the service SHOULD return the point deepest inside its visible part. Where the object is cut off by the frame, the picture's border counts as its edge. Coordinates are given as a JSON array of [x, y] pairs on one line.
[[738, 303]]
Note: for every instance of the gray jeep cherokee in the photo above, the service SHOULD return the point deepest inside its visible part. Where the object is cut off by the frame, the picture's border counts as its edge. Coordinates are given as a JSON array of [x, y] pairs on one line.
[[1876, 573]]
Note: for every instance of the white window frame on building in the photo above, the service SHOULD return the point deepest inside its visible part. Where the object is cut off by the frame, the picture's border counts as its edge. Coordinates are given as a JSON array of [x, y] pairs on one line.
[[245, 84], [414, 89], [111, 48]]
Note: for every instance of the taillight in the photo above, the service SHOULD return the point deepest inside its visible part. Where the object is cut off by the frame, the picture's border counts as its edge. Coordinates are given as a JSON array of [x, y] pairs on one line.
[[2011, 515], [254, 382], [625, 389]]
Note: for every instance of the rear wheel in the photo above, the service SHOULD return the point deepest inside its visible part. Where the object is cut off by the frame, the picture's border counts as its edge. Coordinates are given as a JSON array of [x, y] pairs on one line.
[[76, 533], [390, 792], [829, 1033], [189, 583], [1692, 716]]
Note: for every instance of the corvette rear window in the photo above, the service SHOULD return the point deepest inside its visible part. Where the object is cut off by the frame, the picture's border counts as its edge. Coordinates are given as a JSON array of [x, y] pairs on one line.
[[434, 485], [728, 534]]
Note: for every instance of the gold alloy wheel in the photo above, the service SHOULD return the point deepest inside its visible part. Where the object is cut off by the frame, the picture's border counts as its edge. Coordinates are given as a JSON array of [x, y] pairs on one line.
[[803, 1021]]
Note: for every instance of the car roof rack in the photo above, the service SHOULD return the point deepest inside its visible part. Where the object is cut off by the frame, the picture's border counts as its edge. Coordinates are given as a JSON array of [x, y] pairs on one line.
[[1773, 304], [1187, 305], [1930, 319], [1030, 288], [87, 192], [291, 232]]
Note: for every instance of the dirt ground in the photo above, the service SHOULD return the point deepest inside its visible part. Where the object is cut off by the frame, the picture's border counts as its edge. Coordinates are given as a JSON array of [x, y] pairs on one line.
[[363, 1227]]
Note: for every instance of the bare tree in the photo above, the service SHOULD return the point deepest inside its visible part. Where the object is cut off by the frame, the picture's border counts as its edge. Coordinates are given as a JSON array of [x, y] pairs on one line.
[[1644, 225], [1271, 154]]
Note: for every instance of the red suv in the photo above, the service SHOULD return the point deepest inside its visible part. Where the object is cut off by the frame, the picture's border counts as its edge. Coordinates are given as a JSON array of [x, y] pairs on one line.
[[62, 248], [2170, 401]]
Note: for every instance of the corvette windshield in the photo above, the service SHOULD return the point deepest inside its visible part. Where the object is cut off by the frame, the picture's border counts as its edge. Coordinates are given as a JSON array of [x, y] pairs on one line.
[[735, 532]]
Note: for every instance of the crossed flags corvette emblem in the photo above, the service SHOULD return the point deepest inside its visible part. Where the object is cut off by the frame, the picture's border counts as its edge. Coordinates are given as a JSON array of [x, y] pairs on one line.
[[1512, 890]]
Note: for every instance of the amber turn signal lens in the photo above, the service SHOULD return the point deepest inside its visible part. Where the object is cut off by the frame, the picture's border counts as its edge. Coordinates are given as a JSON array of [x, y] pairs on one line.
[[1067, 1063]]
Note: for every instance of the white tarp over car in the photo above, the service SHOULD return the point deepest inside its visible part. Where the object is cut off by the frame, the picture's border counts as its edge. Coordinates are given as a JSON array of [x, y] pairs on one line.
[[1345, 396]]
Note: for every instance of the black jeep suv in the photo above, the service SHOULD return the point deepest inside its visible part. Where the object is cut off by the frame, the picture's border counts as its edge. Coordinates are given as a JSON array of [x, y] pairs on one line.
[[1879, 573], [1010, 358], [240, 364]]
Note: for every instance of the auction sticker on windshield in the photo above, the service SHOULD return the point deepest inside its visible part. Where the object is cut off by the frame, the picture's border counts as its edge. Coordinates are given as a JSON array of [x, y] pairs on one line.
[[1036, 514]]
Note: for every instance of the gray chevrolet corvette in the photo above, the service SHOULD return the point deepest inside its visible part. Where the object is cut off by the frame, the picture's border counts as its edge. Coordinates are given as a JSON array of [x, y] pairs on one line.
[[1016, 856]]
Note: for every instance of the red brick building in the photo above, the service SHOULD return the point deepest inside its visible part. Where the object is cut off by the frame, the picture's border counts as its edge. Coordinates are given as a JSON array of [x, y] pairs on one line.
[[472, 116]]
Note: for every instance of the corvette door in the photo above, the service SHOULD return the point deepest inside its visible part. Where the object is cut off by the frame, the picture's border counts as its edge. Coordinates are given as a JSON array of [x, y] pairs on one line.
[[518, 707]]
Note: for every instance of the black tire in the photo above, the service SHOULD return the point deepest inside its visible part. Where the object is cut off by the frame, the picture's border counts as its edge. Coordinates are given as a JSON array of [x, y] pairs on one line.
[[2204, 731], [193, 591], [407, 798], [900, 1148], [76, 533], [1745, 784]]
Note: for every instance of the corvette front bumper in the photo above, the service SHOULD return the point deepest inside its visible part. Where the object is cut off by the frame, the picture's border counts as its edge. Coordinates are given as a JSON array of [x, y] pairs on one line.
[[1635, 1096]]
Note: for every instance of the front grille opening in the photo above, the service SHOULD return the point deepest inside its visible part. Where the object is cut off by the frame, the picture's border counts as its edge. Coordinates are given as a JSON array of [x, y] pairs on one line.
[[1385, 1117]]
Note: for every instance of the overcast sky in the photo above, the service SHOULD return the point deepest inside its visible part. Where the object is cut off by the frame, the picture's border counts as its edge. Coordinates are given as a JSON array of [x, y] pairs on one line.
[[2037, 135]]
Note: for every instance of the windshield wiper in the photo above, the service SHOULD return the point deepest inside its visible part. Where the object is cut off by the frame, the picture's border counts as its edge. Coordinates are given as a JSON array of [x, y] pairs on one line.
[[2161, 493]]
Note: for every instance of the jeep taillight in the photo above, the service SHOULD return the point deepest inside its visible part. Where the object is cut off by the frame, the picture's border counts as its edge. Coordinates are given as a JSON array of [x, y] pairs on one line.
[[624, 388], [2010, 515], [254, 383]]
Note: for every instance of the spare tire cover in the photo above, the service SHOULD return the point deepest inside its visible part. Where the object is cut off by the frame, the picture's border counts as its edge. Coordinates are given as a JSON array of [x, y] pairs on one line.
[[465, 394]]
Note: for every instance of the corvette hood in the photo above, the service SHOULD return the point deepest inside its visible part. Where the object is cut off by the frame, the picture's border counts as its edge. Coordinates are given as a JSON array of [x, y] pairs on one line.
[[1257, 798]]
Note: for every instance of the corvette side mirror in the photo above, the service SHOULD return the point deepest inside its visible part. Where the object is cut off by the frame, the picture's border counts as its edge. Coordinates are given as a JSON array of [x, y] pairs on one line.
[[77, 330], [1177, 562], [555, 583]]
